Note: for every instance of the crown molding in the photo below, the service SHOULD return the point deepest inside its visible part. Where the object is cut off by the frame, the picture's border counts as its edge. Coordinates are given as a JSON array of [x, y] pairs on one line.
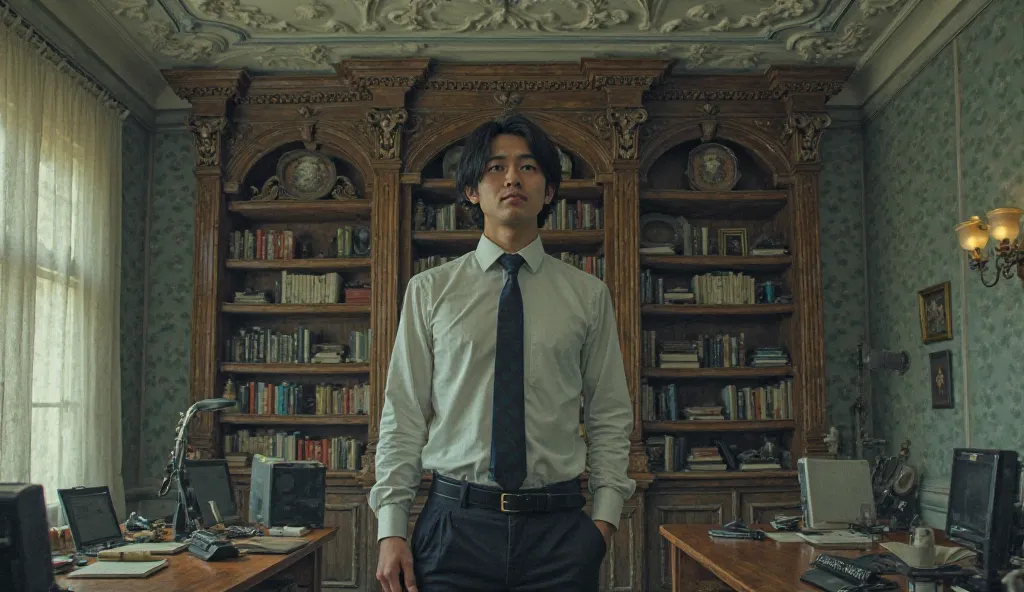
[[906, 48], [83, 31]]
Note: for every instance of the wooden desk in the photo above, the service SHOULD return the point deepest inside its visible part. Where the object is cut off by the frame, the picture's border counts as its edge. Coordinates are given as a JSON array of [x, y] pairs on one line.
[[700, 563], [187, 573]]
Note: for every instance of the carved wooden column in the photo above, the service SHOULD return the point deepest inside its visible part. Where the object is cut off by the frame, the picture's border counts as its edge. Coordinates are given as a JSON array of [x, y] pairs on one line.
[[624, 82], [388, 81], [211, 93], [807, 120]]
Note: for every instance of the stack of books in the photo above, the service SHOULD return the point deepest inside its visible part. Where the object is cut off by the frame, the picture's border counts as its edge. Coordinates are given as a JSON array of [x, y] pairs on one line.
[[706, 458]]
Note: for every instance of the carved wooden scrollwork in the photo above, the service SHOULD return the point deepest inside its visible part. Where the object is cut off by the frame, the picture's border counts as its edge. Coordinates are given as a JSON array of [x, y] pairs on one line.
[[387, 125], [625, 123], [808, 129], [207, 134]]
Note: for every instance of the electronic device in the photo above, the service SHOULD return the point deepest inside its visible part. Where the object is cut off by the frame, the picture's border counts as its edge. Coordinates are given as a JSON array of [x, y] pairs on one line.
[[982, 490], [834, 492], [24, 539], [841, 574], [94, 526], [287, 493], [737, 529], [211, 482], [210, 547]]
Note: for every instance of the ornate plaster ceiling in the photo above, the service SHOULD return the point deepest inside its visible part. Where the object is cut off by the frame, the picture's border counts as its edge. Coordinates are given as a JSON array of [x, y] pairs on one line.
[[310, 35]]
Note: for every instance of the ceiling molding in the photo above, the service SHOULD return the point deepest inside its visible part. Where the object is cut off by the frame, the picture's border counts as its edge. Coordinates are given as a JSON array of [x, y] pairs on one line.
[[917, 39], [125, 89]]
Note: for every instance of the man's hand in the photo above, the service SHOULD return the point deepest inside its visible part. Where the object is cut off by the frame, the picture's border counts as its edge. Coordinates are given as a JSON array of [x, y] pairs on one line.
[[394, 564], [607, 529]]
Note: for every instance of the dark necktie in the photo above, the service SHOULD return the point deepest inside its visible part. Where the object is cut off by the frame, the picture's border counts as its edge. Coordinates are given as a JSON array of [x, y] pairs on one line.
[[508, 421]]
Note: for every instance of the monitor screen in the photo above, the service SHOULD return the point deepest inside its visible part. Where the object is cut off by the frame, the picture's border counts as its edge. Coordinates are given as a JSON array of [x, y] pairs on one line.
[[970, 496], [93, 516], [211, 481]]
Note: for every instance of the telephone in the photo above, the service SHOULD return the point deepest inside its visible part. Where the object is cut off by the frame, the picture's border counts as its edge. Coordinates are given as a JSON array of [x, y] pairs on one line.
[[210, 547]]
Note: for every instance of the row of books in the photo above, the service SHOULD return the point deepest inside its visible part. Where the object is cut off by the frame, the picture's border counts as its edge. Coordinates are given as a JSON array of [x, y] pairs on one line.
[[704, 350], [654, 291], [290, 398], [750, 403], [271, 244], [338, 453], [262, 345], [669, 453], [580, 215]]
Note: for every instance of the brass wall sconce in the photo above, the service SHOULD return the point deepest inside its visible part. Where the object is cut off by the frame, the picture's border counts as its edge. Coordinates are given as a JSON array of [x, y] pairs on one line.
[[1004, 227]]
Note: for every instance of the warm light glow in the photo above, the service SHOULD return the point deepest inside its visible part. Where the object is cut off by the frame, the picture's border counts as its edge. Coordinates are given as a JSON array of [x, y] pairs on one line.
[[1004, 223], [973, 234]]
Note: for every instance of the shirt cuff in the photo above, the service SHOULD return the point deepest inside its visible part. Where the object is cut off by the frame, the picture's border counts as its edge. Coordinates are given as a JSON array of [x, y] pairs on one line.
[[607, 506], [392, 521]]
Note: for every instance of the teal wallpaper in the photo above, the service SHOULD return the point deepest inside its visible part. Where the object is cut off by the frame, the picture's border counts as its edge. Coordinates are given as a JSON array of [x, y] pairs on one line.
[[170, 300], [912, 203], [135, 189], [843, 273]]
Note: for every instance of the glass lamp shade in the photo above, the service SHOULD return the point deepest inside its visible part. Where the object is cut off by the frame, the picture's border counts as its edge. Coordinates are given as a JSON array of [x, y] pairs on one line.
[[973, 234], [1004, 223]]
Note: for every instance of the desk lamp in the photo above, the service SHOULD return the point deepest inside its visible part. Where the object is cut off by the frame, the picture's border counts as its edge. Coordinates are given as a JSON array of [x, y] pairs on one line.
[[187, 514]]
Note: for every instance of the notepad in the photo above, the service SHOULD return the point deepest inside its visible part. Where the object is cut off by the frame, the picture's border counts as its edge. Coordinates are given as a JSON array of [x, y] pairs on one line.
[[119, 569], [163, 548]]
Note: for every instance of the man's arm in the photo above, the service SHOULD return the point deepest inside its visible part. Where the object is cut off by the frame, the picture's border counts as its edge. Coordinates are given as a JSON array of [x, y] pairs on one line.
[[608, 413], [403, 424]]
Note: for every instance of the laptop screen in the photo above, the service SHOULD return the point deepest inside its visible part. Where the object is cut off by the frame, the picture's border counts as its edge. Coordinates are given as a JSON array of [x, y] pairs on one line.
[[90, 514], [211, 481]]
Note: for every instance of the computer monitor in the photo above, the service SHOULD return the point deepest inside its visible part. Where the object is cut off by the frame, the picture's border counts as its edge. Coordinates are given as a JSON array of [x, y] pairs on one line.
[[211, 480], [982, 492], [25, 563]]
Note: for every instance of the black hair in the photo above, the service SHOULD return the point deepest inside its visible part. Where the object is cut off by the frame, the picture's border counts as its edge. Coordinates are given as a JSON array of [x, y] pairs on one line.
[[477, 151]]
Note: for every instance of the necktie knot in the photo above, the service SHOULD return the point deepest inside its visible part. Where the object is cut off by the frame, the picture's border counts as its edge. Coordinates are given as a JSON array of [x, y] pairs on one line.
[[511, 263]]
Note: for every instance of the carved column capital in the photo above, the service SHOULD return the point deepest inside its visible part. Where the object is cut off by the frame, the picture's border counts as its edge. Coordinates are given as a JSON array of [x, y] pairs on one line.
[[626, 123], [387, 128], [207, 134], [804, 131]]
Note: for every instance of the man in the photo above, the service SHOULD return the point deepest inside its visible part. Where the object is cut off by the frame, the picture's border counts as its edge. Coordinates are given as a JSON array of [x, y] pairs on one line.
[[492, 353]]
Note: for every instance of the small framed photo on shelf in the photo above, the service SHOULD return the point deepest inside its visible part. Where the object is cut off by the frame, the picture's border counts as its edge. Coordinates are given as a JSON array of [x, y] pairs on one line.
[[936, 316], [941, 378], [732, 241]]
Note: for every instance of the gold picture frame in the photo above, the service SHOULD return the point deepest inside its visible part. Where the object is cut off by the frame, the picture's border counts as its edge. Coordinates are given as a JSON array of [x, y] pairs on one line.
[[936, 316], [732, 242]]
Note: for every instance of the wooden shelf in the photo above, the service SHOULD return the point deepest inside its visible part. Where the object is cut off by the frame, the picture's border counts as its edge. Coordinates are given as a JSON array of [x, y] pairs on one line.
[[567, 189], [334, 310], [296, 369], [294, 420], [717, 310], [330, 210], [684, 426], [246, 471], [729, 205], [467, 239], [725, 373], [697, 475], [339, 264], [716, 262]]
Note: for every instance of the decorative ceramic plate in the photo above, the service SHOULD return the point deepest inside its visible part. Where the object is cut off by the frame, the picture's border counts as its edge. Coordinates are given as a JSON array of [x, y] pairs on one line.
[[306, 175], [712, 167], [660, 230]]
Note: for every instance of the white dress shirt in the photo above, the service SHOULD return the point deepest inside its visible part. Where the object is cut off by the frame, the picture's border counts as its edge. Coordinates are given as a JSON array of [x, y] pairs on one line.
[[437, 407]]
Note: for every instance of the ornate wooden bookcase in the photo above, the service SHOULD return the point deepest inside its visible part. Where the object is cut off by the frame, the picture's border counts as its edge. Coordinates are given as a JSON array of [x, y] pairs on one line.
[[627, 126]]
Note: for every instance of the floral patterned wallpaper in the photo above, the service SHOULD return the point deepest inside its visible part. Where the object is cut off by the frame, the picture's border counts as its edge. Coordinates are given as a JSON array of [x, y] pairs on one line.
[[843, 273], [912, 206], [135, 189], [170, 300]]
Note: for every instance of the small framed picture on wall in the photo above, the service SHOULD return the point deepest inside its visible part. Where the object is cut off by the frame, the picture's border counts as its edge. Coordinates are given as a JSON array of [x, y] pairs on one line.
[[941, 377], [936, 316]]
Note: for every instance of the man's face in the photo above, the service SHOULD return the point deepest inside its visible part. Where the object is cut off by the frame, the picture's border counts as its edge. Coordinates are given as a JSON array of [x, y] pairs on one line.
[[513, 189]]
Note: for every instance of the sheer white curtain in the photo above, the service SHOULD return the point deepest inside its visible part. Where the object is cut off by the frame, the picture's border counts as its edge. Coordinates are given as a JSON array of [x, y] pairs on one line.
[[60, 260]]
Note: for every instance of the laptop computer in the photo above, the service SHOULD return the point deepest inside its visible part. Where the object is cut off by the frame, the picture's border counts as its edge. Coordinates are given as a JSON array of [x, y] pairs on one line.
[[211, 482], [94, 526]]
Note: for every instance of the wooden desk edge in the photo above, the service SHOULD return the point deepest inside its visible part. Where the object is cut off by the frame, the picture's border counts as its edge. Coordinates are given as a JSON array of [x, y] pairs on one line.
[[317, 539], [679, 546]]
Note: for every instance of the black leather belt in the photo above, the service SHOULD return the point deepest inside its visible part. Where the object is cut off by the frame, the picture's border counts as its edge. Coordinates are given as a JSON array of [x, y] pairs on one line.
[[532, 500]]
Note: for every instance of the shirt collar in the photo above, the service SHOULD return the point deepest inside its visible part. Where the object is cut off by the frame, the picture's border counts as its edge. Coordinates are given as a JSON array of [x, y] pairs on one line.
[[487, 253]]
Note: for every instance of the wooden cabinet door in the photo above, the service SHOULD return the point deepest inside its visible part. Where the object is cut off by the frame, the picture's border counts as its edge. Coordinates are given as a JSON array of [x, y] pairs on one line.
[[679, 508], [344, 565], [761, 507]]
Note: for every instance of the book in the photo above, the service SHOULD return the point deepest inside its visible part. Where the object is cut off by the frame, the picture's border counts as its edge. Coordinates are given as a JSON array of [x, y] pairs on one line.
[[119, 569]]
